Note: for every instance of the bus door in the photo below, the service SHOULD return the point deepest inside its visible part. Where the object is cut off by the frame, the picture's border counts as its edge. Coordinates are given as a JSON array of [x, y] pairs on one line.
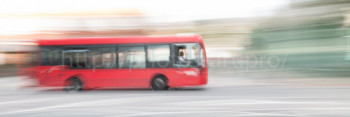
[[132, 62]]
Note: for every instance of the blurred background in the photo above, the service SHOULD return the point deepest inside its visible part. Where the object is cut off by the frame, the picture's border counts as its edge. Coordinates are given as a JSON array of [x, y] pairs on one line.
[[301, 35], [226, 27], [292, 43]]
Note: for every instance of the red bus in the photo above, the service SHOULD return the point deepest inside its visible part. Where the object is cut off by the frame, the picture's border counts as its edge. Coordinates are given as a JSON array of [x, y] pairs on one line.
[[158, 63]]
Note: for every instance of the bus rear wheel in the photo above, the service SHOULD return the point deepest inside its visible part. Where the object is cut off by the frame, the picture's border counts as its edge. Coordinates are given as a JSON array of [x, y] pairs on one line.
[[73, 85], [159, 83]]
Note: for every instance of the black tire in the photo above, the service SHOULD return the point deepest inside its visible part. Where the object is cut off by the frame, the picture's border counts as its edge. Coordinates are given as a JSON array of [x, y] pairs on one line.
[[73, 85], [159, 83]]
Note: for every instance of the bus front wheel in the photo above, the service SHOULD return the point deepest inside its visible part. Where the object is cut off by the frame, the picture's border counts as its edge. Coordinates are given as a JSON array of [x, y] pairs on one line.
[[159, 83]]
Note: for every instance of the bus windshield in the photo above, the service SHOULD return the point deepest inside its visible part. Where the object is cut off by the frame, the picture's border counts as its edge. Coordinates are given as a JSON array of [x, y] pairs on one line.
[[187, 55]]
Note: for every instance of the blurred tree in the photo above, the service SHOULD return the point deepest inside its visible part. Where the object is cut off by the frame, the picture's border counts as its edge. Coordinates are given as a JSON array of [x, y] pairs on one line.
[[311, 32]]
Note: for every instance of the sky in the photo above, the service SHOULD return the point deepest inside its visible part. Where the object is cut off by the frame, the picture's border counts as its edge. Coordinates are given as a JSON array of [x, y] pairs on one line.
[[162, 10], [155, 10]]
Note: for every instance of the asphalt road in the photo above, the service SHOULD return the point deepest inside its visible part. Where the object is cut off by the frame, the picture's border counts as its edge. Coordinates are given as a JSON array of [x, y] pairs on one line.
[[236, 95]]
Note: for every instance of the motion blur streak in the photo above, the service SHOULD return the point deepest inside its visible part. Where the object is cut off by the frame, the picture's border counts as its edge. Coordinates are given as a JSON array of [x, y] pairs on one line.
[[265, 58]]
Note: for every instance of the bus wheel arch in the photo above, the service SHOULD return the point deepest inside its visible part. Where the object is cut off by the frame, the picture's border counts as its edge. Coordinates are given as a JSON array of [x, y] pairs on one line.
[[159, 82]]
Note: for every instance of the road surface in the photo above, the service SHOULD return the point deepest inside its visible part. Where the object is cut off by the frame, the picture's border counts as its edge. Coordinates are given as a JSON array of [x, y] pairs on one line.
[[240, 95]]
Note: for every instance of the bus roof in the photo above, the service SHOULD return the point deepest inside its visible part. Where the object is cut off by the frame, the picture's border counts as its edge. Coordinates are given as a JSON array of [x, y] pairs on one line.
[[120, 40]]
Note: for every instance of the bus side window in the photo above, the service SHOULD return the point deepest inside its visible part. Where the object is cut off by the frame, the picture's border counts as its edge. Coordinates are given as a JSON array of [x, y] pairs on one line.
[[77, 59], [50, 56], [131, 57], [158, 56], [103, 58]]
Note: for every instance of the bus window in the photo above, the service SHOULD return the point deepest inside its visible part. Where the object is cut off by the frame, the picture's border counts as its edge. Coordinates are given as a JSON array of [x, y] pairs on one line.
[[103, 57], [51, 56], [131, 57], [77, 59], [187, 55], [158, 56]]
